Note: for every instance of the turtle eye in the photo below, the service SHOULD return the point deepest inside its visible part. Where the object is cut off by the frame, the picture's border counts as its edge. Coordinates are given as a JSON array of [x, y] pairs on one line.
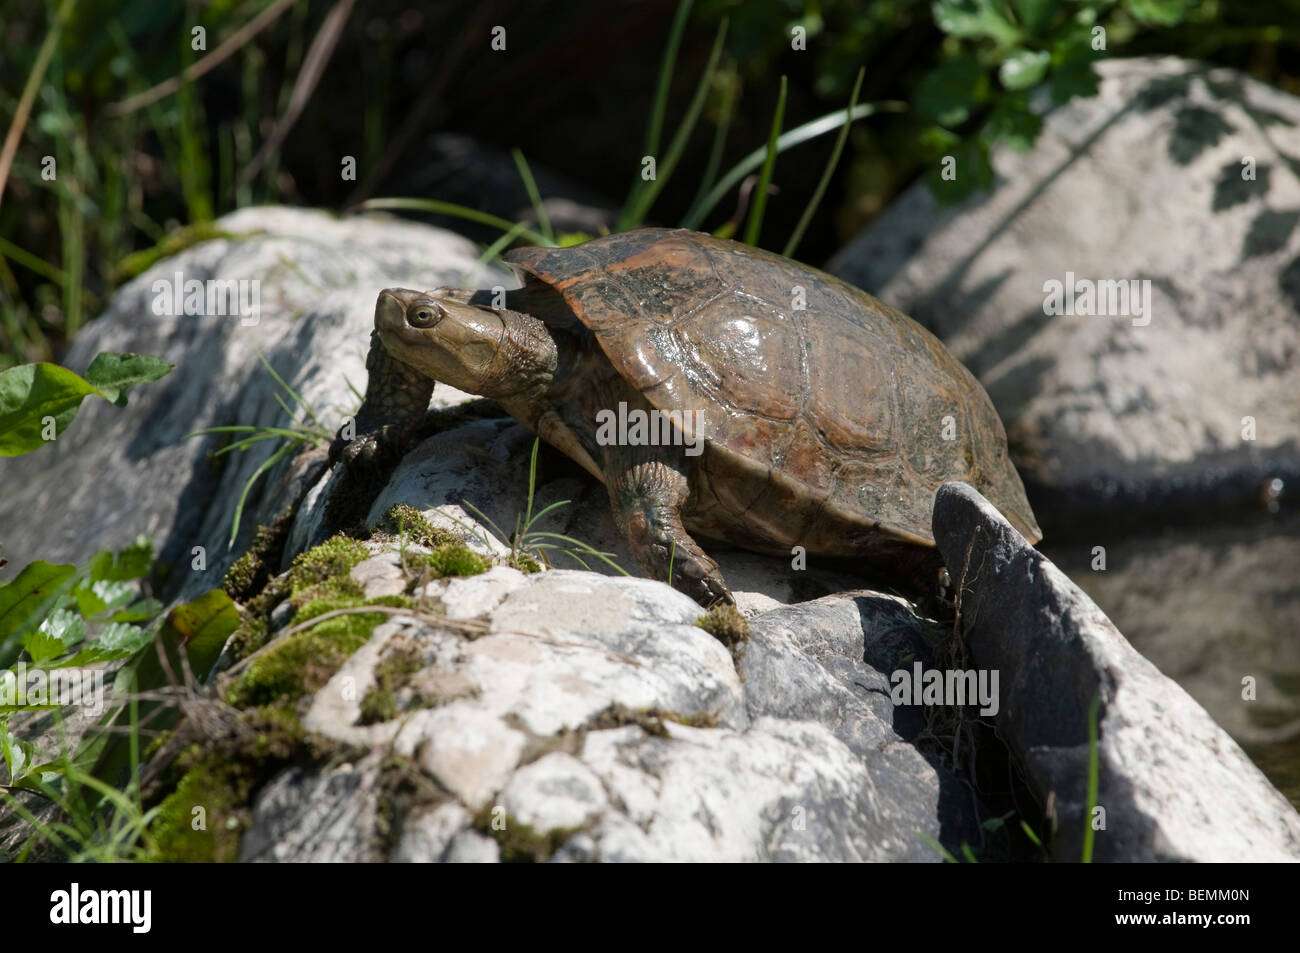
[[424, 316]]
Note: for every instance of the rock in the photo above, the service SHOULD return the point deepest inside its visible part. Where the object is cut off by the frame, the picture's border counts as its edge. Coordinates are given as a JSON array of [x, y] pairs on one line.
[[309, 816], [1144, 181], [595, 721], [1173, 785], [319, 275]]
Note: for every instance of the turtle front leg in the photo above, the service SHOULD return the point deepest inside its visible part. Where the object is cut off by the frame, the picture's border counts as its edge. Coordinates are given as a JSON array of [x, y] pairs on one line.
[[647, 496], [397, 396]]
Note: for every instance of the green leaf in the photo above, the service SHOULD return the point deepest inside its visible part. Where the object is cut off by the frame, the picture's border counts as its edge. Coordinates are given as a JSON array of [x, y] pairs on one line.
[[973, 170], [1024, 68], [34, 396], [1034, 14], [42, 646], [93, 598], [948, 94], [1160, 12], [133, 562], [61, 630], [1013, 124], [137, 611], [19, 755], [21, 598], [200, 628], [973, 19], [113, 374], [1072, 72], [117, 641]]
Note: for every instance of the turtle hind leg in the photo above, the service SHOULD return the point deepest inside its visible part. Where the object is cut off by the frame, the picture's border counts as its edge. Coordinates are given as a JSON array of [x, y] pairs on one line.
[[647, 496]]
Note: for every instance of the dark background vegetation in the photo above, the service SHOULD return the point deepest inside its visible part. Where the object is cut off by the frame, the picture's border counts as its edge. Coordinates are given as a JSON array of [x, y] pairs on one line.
[[573, 90]]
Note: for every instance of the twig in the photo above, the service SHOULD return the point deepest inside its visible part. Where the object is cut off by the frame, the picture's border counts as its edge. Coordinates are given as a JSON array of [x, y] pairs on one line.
[[313, 67], [206, 64], [29, 93]]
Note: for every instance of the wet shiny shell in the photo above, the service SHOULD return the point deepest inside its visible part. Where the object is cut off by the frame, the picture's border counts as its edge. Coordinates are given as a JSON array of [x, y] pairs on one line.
[[803, 384]]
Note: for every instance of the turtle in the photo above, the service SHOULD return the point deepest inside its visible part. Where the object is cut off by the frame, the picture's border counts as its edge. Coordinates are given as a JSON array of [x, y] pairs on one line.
[[716, 390]]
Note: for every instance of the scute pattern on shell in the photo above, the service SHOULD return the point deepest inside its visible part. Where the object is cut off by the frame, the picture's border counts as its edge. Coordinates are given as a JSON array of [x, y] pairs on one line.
[[845, 396]]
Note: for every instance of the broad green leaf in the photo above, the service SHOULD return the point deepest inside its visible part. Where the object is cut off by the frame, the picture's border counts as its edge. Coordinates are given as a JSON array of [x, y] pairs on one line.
[[1024, 68], [1035, 14], [948, 94], [38, 401], [113, 374], [22, 597], [1013, 124], [972, 168], [1160, 12], [117, 641], [1072, 72], [60, 631], [42, 646], [93, 598], [137, 611], [973, 19], [131, 563]]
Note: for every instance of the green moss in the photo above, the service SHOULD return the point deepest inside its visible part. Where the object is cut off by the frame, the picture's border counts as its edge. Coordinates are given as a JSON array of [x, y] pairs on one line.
[[405, 520], [220, 776], [212, 796], [520, 843], [250, 572], [726, 624], [378, 705], [326, 565], [650, 720], [524, 563], [303, 662], [242, 576], [456, 559], [248, 638], [402, 658]]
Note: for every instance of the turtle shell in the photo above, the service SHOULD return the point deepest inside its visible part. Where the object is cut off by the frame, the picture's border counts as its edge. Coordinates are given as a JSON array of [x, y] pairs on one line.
[[800, 382]]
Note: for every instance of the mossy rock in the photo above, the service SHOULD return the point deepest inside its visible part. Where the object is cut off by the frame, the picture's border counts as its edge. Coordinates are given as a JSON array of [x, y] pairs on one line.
[[726, 624], [404, 521]]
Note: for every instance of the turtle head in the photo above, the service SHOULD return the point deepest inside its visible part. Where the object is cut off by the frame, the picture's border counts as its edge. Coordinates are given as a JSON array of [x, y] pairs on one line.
[[491, 352]]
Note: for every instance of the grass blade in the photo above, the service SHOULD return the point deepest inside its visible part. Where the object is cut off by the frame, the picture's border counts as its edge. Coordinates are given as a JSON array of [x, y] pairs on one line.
[[765, 178], [1094, 777], [239, 507], [654, 127], [796, 136], [797, 235], [458, 211], [535, 197], [719, 144], [645, 196]]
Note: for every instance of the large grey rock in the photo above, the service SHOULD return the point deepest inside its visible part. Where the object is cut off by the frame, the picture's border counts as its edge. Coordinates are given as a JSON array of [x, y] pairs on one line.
[[116, 473], [1143, 181], [1173, 785], [793, 757]]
